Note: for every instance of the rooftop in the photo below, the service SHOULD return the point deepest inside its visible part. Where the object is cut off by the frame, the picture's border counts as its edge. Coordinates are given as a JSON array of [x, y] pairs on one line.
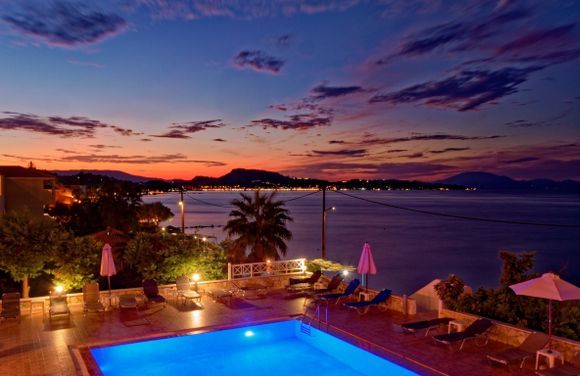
[[24, 172], [34, 347]]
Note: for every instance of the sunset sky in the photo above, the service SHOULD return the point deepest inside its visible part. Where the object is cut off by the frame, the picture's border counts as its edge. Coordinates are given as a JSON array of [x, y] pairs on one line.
[[310, 88]]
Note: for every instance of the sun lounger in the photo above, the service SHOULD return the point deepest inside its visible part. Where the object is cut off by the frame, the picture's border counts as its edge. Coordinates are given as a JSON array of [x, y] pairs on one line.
[[151, 291], [314, 277], [222, 295], [427, 325], [185, 292], [332, 285], [91, 299], [527, 349], [363, 307], [473, 331], [350, 289], [58, 307], [566, 369], [10, 305]]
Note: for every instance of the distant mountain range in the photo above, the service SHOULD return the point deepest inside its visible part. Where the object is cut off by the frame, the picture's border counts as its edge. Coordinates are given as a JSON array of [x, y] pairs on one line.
[[240, 178], [115, 174], [248, 178], [487, 181]]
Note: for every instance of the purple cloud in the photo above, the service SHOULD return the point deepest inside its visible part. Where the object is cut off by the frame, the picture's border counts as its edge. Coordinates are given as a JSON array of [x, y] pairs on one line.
[[521, 160], [447, 150], [410, 170], [422, 137], [323, 92], [463, 35], [102, 147], [295, 122], [536, 38], [182, 130], [73, 126], [242, 9], [344, 152], [283, 40], [219, 140], [138, 159], [466, 90], [65, 24], [258, 61]]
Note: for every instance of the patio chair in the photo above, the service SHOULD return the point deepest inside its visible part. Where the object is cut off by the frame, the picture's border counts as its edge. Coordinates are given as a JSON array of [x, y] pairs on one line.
[[427, 325], [151, 291], [185, 292], [92, 299], [527, 349], [566, 369], [473, 331], [348, 292], [314, 277], [363, 307], [58, 307], [11, 305]]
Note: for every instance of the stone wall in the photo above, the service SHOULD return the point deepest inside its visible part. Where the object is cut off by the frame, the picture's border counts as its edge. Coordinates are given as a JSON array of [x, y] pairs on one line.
[[32, 305]]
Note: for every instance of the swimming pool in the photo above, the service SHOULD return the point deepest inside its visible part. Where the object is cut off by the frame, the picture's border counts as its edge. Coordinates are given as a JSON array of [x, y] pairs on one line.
[[279, 349]]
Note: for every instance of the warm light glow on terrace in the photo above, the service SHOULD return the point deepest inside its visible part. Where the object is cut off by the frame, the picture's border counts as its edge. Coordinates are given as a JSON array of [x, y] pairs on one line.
[[195, 277], [59, 289]]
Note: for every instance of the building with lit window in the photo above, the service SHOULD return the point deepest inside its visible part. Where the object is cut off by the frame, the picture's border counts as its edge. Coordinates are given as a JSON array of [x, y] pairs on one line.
[[26, 189]]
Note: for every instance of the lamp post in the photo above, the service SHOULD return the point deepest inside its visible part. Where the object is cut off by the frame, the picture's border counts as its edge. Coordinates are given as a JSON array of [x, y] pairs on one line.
[[182, 208], [332, 208]]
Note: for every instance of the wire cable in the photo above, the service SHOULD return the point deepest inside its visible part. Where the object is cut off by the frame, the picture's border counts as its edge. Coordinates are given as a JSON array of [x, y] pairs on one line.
[[207, 203], [456, 216], [298, 198]]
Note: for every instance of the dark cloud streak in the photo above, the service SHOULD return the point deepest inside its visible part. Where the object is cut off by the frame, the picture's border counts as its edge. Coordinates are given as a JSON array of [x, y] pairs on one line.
[[64, 24], [258, 61]]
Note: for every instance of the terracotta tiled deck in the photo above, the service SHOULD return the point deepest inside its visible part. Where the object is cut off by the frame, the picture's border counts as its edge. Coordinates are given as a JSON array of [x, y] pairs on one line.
[[33, 347]]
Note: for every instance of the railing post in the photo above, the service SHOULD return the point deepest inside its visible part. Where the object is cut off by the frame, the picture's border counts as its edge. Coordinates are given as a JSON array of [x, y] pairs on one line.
[[229, 271]]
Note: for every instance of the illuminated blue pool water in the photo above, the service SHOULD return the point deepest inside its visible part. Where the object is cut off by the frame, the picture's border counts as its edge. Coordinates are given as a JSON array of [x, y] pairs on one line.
[[276, 349]]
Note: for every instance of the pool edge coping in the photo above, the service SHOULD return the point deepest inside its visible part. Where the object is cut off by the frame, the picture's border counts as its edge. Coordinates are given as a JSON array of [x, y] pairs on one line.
[[81, 355]]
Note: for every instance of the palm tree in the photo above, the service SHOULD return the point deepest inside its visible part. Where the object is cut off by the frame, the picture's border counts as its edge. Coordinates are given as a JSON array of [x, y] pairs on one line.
[[258, 224]]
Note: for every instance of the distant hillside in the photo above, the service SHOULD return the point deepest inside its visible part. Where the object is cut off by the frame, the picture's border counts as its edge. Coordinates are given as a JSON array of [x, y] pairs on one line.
[[244, 178], [486, 180], [115, 174]]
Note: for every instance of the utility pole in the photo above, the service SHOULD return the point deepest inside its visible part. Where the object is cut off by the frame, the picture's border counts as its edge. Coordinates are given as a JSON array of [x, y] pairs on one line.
[[182, 206], [324, 222]]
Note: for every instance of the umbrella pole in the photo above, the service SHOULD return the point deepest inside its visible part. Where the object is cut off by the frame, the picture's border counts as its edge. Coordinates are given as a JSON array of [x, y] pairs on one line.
[[550, 325], [109, 281]]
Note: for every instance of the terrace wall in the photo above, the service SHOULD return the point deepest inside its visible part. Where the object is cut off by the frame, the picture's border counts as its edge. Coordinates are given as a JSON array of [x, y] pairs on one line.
[[513, 335]]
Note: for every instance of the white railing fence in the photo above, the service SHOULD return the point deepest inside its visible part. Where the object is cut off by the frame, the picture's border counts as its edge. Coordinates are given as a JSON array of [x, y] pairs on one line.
[[261, 269]]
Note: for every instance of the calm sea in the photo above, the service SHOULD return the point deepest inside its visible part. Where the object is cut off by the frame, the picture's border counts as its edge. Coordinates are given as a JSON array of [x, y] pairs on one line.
[[411, 249]]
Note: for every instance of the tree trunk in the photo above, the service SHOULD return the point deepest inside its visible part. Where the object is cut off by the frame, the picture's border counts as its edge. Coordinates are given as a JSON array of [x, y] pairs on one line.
[[25, 287]]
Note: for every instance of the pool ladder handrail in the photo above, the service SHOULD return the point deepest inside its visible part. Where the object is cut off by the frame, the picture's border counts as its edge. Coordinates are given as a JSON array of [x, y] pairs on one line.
[[307, 320]]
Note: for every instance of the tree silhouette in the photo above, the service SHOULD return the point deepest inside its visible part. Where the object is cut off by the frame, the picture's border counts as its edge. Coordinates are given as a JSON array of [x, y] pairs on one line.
[[258, 228]]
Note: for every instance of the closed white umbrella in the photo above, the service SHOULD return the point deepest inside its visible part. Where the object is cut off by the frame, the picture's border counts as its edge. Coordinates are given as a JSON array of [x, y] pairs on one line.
[[548, 286], [107, 264], [366, 264]]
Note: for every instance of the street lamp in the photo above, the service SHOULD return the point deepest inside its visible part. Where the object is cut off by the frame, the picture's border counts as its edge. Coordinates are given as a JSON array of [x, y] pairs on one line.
[[182, 209], [332, 208]]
